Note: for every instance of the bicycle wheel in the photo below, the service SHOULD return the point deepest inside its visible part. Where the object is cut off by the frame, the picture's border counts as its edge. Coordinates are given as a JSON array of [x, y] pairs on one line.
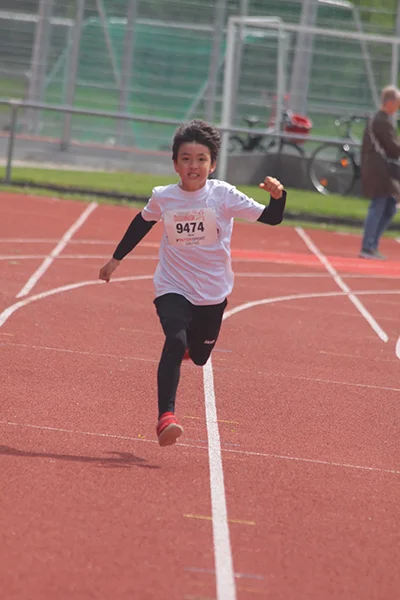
[[332, 169], [235, 144]]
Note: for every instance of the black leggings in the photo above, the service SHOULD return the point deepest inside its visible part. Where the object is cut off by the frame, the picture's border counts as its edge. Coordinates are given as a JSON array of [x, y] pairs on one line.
[[185, 326]]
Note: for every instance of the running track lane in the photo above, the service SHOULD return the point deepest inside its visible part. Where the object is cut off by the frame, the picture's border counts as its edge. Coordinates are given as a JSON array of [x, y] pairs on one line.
[[279, 531]]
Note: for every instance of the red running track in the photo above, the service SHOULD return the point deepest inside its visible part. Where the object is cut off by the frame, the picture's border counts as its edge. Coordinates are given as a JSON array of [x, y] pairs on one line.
[[306, 389]]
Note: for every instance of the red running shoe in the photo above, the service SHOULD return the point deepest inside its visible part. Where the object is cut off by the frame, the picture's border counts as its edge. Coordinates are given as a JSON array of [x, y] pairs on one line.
[[168, 429]]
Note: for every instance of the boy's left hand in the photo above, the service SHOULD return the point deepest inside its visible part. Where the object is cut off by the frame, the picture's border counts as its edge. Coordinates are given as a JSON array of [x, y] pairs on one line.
[[273, 186]]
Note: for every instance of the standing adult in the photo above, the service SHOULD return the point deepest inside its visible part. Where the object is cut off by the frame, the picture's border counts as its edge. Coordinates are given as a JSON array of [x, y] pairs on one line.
[[380, 179]]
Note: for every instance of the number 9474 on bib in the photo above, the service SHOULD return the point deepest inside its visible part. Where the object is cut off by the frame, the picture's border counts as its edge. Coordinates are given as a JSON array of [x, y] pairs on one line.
[[191, 227]]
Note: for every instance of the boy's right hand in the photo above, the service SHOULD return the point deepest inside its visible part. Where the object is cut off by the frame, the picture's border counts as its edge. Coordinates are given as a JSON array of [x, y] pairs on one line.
[[108, 269]]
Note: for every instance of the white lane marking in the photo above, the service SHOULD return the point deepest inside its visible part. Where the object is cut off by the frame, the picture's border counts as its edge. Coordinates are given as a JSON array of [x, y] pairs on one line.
[[249, 274], [225, 576], [76, 432], [361, 385], [212, 572], [76, 256], [27, 241], [398, 348], [197, 447], [357, 356], [313, 275], [65, 288], [312, 460], [78, 241], [247, 305], [298, 377], [219, 368], [118, 357], [339, 281], [32, 281], [337, 382], [22, 256]]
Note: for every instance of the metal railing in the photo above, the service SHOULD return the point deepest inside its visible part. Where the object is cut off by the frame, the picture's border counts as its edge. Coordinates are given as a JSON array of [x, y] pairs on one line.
[[17, 106]]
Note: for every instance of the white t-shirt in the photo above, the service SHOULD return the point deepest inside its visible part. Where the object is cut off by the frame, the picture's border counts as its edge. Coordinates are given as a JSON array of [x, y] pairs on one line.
[[195, 257]]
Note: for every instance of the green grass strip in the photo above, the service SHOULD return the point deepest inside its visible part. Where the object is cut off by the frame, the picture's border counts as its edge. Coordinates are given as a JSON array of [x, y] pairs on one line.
[[140, 185]]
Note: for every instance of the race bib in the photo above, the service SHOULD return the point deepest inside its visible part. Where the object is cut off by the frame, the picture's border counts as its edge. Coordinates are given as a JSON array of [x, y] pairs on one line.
[[197, 227]]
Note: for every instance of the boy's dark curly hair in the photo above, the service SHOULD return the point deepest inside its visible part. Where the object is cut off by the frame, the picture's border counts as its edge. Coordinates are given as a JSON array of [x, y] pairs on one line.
[[200, 132]]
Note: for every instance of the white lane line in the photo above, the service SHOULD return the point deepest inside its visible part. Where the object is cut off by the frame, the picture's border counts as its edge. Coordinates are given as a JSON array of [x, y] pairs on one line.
[[288, 275], [118, 357], [219, 368], [398, 348], [347, 383], [247, 305], [283, 457], [77, 432], [75, 256], [256, 274], [312, 275], [298, 377], [32, 281], [65, 288], [225, 575], [312, 460], [339, 281], [212, 572], [22, 256], [27, 241], [79, 241]]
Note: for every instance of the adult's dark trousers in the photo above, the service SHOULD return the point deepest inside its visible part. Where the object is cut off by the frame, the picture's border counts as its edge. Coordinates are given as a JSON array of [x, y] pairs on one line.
[[380, 214]]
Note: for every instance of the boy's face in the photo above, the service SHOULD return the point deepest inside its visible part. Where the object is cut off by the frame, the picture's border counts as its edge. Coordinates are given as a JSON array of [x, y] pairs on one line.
[[193, 165]]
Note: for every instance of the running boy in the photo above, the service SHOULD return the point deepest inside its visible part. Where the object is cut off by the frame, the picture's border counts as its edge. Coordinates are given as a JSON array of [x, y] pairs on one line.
[[194, 275]]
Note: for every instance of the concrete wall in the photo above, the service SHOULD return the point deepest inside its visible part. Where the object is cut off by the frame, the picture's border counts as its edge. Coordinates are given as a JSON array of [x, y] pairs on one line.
[[243, 169], [291, 170]]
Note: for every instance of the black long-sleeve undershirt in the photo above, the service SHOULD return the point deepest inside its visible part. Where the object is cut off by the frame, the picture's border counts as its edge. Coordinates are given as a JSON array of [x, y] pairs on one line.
[[133, 235], [271, 215]]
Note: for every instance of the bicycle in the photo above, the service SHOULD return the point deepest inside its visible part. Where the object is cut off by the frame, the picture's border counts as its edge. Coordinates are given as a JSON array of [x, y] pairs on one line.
[[335, 168], [254, 141]]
